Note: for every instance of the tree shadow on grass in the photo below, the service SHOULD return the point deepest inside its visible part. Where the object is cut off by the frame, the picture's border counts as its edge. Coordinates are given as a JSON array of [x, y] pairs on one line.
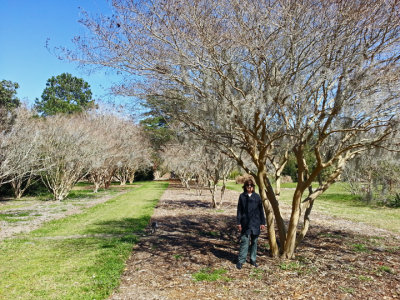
[[126, 229]]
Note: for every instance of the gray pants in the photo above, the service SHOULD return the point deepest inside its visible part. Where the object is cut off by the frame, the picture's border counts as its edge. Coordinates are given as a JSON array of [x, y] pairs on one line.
[[244, 247]]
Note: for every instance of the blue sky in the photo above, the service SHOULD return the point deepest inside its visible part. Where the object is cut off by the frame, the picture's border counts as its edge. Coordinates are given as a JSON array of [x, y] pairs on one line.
[[26, 25]]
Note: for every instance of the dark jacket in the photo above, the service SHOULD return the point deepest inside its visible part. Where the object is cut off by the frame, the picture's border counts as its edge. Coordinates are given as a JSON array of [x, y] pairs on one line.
[[250, 213]]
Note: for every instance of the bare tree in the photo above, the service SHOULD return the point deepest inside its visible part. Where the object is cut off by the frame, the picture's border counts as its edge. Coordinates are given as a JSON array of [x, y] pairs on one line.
[[21, 160], [121, 146], [194, 159], [375, 176], [66, 148], [134, 153], [182, 161], [249, 76], [216, 167]]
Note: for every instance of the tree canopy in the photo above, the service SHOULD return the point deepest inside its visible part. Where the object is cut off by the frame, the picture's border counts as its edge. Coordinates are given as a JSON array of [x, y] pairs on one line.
[[8, 92], [65, 94]]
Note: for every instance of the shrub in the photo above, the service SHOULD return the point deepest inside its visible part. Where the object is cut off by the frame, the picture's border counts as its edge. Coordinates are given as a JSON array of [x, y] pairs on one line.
[[395, 201], [286, 179], [235, 173], [242, 178]]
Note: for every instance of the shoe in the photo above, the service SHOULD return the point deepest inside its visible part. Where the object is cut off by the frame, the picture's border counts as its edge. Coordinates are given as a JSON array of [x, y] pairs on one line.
[[253, 263], [239, 265]]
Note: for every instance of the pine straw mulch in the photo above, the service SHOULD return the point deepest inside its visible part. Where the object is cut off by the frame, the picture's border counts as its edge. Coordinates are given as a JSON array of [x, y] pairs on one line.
[[338, 259]]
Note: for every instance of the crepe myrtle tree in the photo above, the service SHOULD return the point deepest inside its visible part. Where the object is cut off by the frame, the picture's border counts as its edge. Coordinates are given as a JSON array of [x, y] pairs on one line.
[[261, 77], [216, 166], [66, 147], [193, 159], [375, 176], [182, 161], [101, 133], [136, 154], [20, 158], [121, 146]]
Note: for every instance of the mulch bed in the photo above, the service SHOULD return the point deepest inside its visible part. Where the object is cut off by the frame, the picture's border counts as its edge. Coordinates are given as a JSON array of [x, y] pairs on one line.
[[338, 259]]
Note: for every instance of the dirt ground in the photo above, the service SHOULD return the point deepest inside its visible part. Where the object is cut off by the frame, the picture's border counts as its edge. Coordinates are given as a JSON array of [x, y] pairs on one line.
[[338, 259]]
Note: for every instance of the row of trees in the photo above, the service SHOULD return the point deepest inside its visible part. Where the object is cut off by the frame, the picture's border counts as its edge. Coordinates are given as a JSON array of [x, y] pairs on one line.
[[63, 149], [196, 160], [263, 79], [65, 140]]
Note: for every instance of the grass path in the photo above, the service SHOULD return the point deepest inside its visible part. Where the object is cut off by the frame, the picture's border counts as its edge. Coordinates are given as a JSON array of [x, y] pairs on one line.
[[80, 256]]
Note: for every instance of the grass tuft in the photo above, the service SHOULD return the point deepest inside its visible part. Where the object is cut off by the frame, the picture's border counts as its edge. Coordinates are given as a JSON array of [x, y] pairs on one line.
[[360, 248], [208, 274]]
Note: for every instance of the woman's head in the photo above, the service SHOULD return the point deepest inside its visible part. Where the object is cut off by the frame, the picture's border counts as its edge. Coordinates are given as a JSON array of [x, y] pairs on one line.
[[248, 186]]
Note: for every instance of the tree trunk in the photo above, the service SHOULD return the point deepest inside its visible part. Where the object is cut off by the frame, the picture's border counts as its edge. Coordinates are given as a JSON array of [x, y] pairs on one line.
[[131, 177], [290, 243], [16, 186], [269, 216], [306, 222], [277, 213], [157, 174], [222, 190], [212, 186], [278, 184], [96, 187]]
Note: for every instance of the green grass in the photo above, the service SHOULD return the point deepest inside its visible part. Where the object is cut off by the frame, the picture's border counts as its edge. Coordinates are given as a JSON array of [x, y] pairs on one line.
[[385, 269], [178, 256], [208, 274], [290, 266], [12, 206], [256, 274], [81, 256], [338, 202], [15, 216], [233, 186], [77, 197], [359, 247]]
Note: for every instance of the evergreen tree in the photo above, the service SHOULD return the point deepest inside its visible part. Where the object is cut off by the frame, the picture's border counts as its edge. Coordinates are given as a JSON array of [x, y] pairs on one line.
[[8, 91], [65, 94]]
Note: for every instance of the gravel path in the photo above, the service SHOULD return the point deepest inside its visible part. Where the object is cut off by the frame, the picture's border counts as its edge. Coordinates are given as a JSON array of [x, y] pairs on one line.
[[29, 215]]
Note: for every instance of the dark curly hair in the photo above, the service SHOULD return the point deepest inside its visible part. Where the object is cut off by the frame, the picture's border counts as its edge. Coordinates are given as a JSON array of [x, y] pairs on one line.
[[248, 182]]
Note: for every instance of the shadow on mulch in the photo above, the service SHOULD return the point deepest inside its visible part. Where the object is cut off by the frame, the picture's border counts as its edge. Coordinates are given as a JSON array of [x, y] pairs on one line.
[[329, 264], [193, 234], [217, 235]]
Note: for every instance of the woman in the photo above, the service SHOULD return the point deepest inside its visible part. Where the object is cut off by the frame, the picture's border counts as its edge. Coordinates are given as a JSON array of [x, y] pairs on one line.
[[250, 221]]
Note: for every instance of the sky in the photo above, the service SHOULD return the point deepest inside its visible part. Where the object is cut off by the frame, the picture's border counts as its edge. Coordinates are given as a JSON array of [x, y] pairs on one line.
[[26, 26]]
